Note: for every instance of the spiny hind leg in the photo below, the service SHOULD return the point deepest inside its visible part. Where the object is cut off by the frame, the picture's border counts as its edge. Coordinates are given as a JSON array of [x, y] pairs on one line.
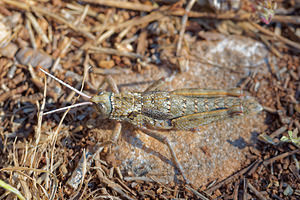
[[192, 121], [142, 121], [163, 139]]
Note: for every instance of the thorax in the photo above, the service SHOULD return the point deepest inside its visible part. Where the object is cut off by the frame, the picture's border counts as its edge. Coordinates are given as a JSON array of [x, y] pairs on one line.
[[124, 104]]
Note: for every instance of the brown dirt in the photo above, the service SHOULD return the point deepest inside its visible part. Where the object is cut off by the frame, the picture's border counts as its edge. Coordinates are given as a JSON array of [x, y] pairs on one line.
[[136, 43]]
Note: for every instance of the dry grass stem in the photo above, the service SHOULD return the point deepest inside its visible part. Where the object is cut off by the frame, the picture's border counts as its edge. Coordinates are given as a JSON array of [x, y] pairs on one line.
[[31, 34], [37, 27], [183, 26], [256, 192], [18, 169], [280, 38], [111, 51], [123, 4], [129, 45]]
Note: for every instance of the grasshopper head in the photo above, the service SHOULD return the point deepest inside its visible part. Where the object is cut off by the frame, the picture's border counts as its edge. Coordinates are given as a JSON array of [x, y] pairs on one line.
[[103, 104]]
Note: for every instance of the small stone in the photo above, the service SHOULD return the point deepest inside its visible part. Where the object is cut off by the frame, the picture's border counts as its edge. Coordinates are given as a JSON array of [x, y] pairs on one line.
[[288, 191], [159, 191], [9, 50], [34, 57], [106, 64]]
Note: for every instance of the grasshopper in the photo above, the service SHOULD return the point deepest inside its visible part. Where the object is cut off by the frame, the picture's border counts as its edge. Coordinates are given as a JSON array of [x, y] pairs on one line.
[[153, 110]]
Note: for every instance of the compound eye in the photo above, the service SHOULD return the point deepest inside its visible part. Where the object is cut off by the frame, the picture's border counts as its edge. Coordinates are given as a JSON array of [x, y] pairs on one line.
[[102, 108]]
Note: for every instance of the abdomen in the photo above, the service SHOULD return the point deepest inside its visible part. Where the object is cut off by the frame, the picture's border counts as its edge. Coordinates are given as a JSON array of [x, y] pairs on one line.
[[163, 105]]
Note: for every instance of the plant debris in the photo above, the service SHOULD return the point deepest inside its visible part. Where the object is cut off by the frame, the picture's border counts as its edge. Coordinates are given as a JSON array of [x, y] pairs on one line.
[[67, 156]]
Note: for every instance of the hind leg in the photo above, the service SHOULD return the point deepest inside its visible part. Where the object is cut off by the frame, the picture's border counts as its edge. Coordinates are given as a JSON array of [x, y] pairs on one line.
[[163, 139], [163, 124], [142, 121]]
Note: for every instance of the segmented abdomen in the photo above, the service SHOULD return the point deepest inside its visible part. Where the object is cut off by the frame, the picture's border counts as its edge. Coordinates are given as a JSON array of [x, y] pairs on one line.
[[163, 105]]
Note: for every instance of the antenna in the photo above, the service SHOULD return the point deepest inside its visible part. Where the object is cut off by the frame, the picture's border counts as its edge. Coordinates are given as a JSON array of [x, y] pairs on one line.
[[68, 107], [70, 87], [65, 84]]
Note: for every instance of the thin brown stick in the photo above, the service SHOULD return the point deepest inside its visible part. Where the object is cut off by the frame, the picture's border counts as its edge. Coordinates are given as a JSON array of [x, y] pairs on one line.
[[278, 132], [50, 14], [254, 168], [198, 194], [40, 120], [255, 191], [210, 190], [133, 22], [192, 14], [286, 19], [183, 26], [272, 48], [111, 51], [37, 27], [31, 35], [281, 156], [245, 193], [279, 37], [4, 96], [114, 186], [236, 190], [17, 169], [123, 5], [80, 8], [146, 8]]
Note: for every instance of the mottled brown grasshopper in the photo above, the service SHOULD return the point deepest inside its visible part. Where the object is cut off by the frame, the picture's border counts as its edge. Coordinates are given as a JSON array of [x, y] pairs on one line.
[[182, 109]]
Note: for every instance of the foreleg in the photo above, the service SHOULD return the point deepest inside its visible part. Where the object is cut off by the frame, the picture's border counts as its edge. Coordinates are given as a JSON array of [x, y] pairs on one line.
[[117, 130]]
